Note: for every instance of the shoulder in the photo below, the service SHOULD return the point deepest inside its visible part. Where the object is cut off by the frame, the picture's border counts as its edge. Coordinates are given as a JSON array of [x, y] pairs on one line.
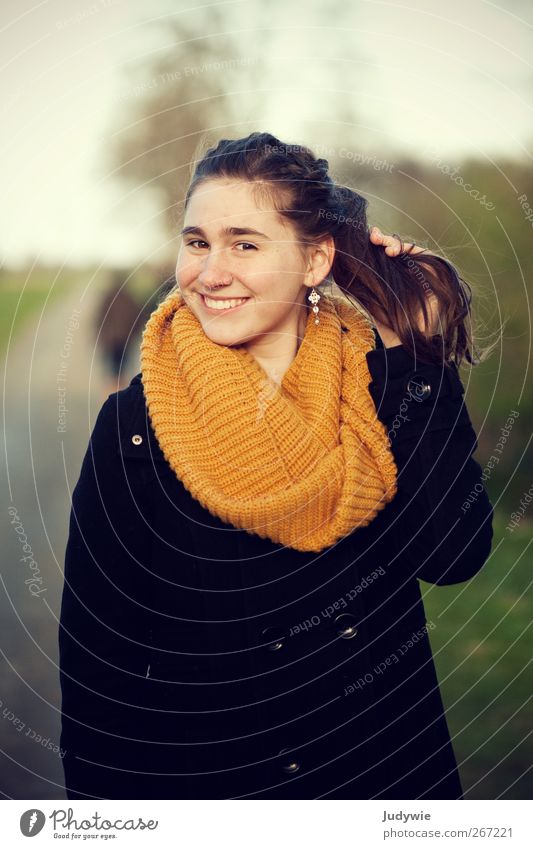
[[125, 421], [120, 408], [127, 401]]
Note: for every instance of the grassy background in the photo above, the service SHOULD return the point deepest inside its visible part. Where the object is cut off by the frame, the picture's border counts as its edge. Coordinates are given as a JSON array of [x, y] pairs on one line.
[[482, 651]]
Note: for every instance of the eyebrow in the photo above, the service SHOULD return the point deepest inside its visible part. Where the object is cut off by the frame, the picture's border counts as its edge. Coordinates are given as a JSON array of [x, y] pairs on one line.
[[226, 231]]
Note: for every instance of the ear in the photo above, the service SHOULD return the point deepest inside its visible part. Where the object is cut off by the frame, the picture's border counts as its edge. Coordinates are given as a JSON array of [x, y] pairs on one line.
[[320, 258]]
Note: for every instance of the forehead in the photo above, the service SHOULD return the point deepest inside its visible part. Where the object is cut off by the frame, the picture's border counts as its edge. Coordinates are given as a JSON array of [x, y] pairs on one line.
[[224, 202]]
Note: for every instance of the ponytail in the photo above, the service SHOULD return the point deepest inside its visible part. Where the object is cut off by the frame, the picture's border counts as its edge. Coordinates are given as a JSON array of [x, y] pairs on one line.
[[403, 292]]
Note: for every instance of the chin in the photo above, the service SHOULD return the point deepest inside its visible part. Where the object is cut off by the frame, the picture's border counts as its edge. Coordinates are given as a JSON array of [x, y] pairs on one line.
[[224, 336]]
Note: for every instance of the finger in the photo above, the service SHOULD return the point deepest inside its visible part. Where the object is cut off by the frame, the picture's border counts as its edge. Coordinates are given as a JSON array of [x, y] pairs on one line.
[[380, 238], [376, 235], [403, 247], [396, 245], [393, 244]]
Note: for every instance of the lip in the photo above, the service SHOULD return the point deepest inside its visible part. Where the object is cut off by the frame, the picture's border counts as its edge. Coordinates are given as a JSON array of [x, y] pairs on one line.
[[215, 311]]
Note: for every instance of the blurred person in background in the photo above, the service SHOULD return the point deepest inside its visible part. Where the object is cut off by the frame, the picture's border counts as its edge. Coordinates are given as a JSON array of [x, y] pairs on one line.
[[117, 323]]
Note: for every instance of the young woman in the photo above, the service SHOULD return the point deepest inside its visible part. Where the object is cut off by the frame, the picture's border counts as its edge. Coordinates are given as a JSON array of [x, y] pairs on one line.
[[242, 616]]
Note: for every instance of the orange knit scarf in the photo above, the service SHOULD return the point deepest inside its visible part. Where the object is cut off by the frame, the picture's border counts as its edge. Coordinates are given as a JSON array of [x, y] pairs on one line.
[[302, 463]]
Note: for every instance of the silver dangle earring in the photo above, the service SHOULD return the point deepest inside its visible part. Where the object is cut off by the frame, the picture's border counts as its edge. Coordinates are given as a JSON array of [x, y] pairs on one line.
[[314, 297]]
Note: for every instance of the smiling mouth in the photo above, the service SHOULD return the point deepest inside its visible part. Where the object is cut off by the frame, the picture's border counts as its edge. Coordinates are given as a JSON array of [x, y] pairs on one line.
[[222, 305]]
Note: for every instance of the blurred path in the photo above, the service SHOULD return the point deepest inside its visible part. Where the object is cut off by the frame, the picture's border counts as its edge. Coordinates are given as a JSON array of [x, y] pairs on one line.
[[47, 369]]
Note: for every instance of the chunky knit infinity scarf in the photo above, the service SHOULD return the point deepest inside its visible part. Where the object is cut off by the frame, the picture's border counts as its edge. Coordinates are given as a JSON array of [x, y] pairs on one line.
[[302, 463]]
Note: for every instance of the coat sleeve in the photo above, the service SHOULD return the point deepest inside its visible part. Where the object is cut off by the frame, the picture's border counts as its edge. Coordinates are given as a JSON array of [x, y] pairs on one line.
[[441, 517], [100, 655]]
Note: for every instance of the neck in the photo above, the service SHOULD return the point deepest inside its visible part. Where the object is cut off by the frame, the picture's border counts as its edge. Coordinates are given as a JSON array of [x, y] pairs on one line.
[[276, 351]]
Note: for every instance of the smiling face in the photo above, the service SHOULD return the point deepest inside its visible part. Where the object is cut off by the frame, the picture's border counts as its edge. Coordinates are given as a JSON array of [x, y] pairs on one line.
[[268, 268]]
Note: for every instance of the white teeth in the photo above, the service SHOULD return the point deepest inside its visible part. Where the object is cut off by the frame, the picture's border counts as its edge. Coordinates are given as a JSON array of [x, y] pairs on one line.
[[224, 305]]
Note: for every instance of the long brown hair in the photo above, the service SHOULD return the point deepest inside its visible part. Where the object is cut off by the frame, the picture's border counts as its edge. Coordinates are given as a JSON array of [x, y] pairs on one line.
[[392, 290]]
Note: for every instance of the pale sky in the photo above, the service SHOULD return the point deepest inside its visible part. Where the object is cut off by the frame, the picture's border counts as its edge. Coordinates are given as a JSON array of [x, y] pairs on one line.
[[454, 76]]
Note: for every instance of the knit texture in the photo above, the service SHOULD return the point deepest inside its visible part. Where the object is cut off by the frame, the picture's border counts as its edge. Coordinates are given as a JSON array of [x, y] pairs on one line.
[[302, 463]]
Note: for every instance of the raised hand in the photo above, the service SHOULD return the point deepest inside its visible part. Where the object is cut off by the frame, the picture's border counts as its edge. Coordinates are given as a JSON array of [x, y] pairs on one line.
[[392, 244]]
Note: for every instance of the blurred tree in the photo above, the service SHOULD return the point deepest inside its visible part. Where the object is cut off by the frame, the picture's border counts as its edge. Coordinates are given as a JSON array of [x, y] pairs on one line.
[[208, 81], [175, 99]]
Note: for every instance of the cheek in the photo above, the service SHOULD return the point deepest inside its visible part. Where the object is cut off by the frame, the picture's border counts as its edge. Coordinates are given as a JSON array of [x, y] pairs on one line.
[[186, 270], [269, 283], [183, 277]]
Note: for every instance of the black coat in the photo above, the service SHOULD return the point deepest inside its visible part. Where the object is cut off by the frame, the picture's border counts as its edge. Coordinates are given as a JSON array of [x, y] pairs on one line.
[[198, 660]]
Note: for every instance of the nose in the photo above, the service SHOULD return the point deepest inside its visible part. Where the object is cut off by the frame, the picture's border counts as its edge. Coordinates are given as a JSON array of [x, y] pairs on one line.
[[215, 271]]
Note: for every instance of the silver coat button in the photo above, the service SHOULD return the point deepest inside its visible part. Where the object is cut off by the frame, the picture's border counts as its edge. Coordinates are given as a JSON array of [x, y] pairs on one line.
[[418, 389], [273, 638], [345, 626], [136, 439], [289, 766]]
